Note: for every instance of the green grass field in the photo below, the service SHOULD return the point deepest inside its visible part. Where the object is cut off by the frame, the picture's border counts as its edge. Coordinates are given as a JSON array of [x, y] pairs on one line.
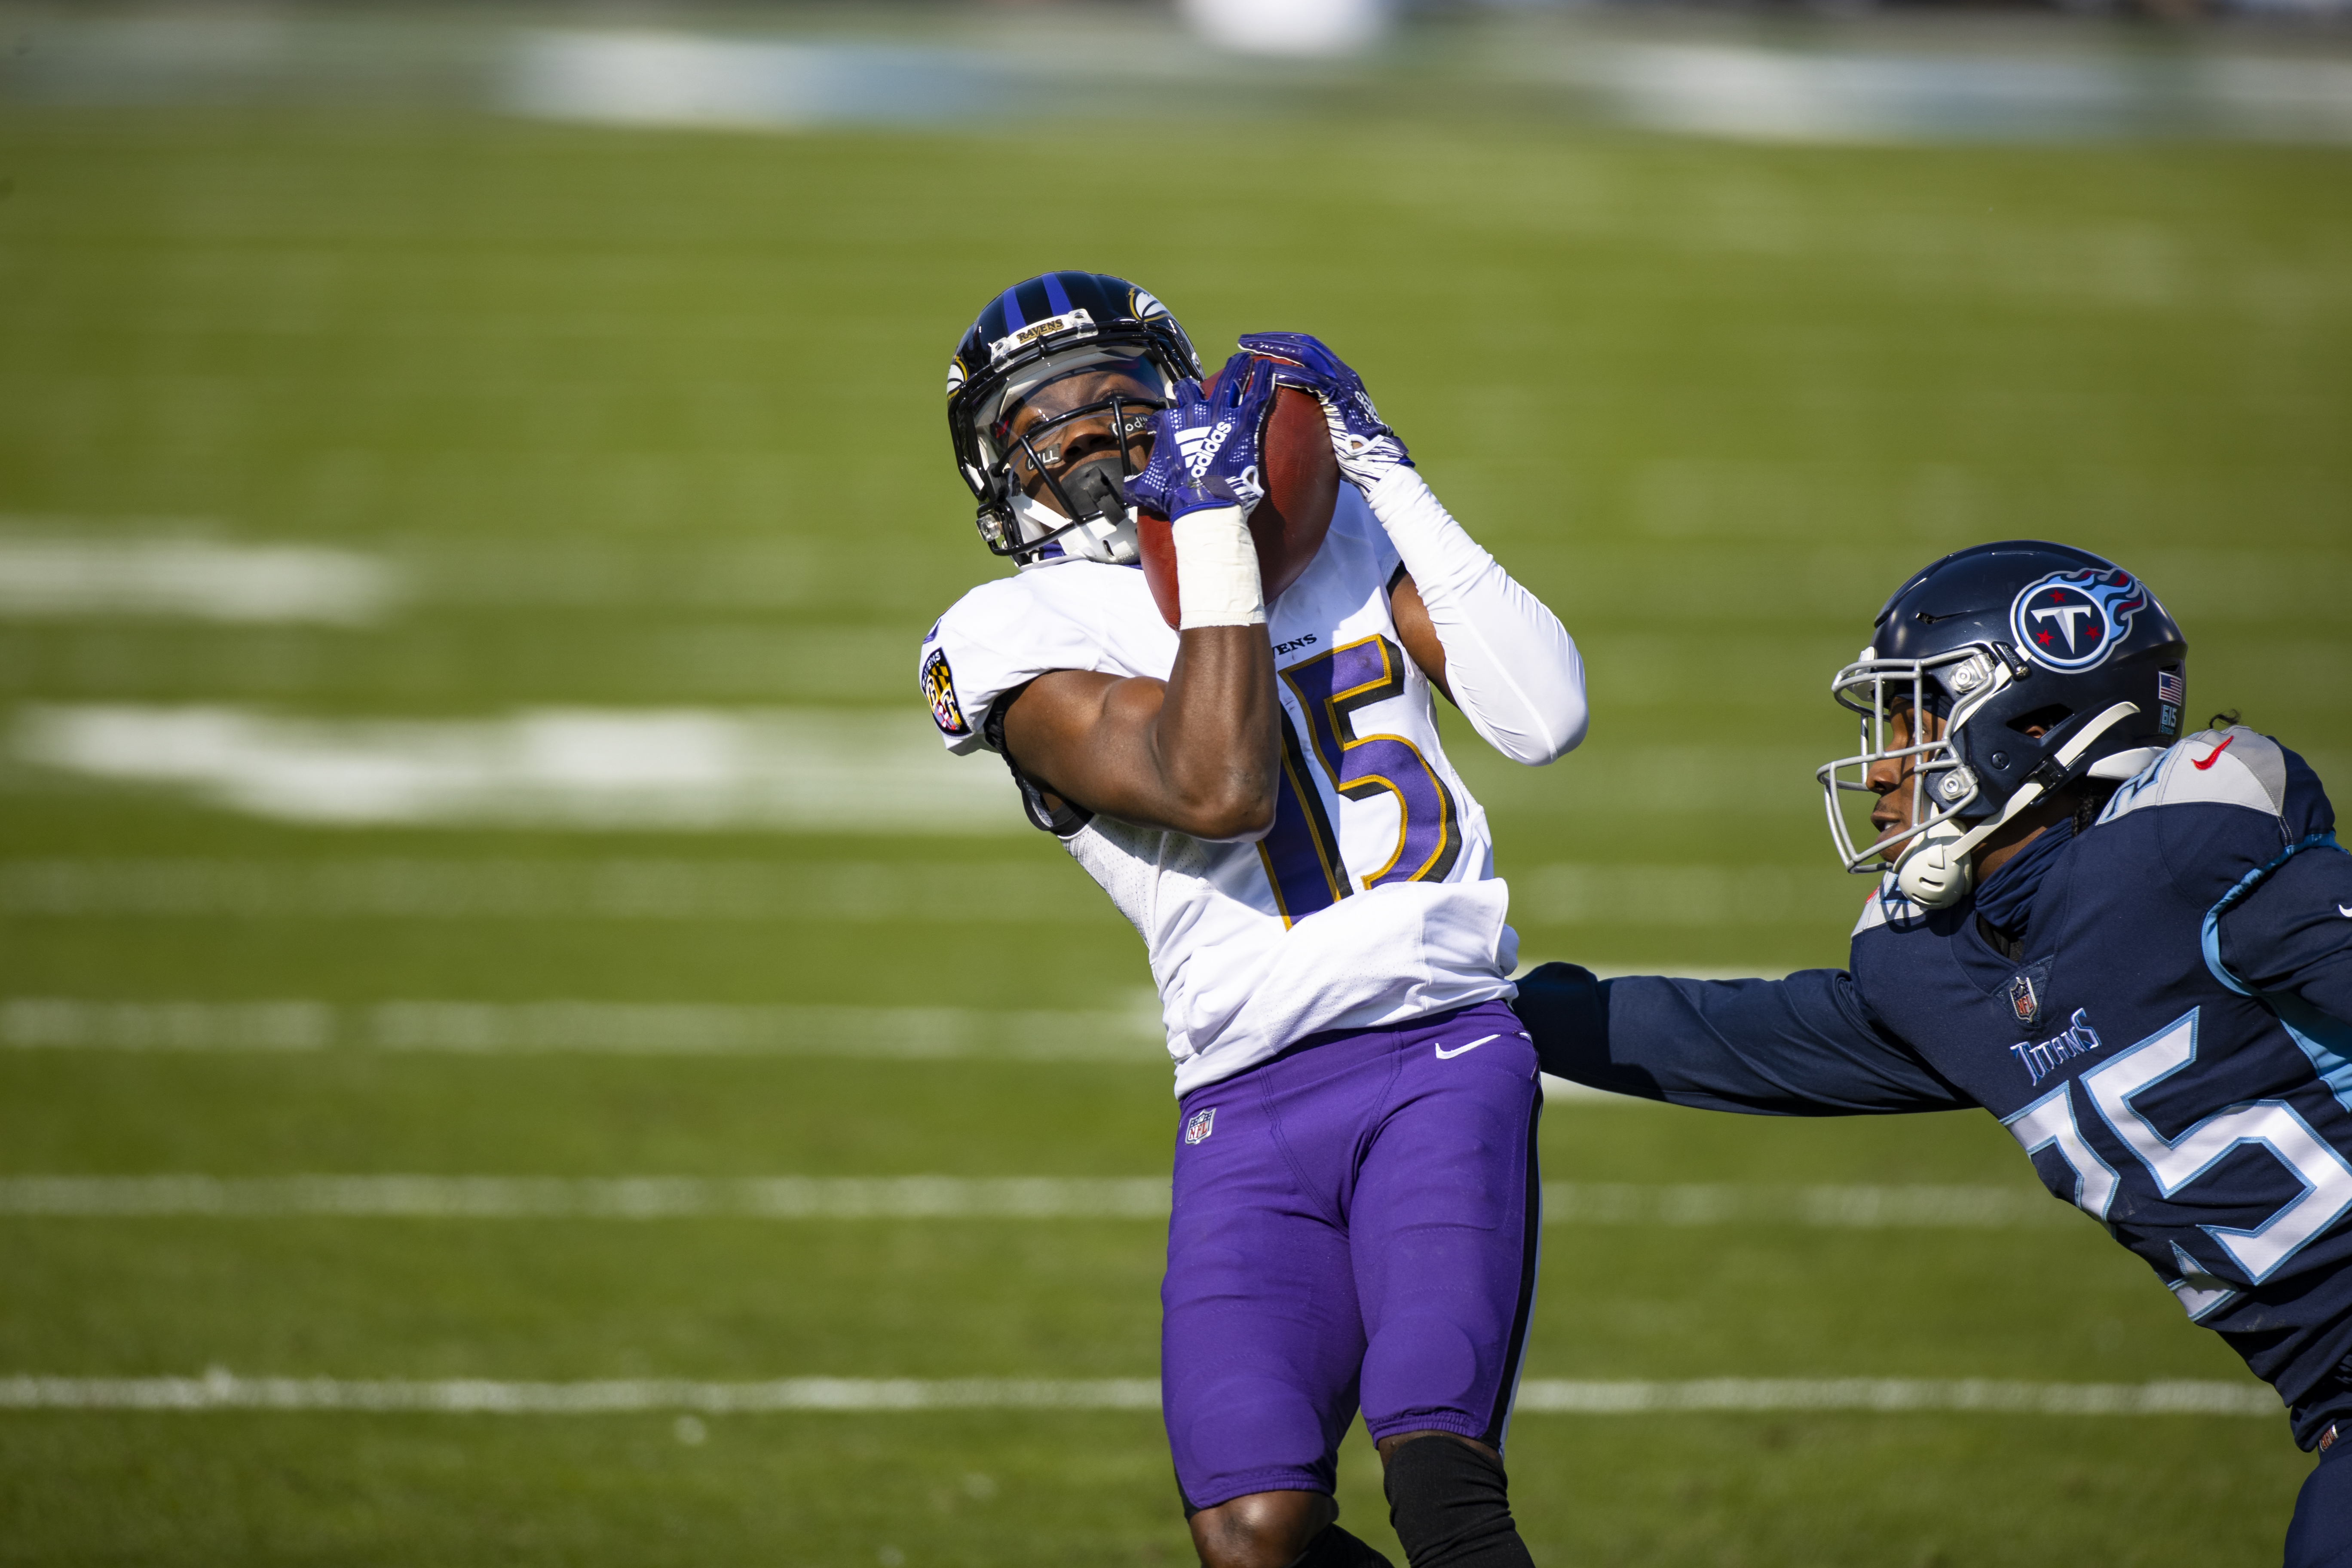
[[652, 419]]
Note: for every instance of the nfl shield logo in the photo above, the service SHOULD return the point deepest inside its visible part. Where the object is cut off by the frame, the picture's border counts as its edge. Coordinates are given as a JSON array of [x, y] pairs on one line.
[[2024, 1002], [1203, 1123]]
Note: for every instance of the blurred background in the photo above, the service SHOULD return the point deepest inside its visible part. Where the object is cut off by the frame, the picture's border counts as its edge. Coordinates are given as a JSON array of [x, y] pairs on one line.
[[514, 1044]]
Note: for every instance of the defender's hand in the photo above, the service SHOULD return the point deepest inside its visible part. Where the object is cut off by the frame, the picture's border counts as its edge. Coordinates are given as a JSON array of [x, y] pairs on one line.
[[1367, 448], [1208, 450]]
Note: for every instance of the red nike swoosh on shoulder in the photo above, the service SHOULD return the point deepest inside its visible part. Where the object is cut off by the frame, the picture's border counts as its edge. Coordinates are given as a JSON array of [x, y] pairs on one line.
[[2216, 752]]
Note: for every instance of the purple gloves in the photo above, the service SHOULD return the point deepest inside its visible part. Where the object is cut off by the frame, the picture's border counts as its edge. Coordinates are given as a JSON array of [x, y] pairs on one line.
[[1208, 450], [1367, 450]]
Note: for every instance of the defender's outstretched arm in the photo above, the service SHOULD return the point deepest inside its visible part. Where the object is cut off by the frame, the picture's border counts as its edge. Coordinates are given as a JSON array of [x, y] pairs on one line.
[[1805, 1046]]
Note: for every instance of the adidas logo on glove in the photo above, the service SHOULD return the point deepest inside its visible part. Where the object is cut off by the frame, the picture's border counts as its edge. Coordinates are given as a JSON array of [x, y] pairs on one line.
[[1201, 446]]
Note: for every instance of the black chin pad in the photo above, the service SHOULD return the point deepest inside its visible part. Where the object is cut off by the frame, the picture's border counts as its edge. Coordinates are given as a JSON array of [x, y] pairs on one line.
[[1094, 486]]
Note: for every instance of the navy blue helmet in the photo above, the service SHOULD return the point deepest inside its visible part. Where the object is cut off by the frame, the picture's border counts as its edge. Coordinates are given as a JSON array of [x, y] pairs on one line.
[[2045, 664], [1050, 399]]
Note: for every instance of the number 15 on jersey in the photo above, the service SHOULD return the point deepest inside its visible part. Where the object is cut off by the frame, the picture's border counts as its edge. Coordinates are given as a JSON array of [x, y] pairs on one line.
[[1302, 851]]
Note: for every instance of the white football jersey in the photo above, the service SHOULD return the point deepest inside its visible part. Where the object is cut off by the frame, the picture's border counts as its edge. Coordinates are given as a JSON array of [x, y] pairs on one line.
[[1372, 900]]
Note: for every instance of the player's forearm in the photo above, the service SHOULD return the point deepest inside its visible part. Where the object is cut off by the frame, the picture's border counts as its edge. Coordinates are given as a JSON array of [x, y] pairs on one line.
[[1510, 666], [1214, 743], [1210, 751], [1768, 1048]]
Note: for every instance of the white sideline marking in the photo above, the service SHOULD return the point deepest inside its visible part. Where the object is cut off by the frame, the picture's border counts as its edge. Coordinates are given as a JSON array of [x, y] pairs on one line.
[[641, 77], [219, 1389], [614, 1028], [1042, 889], [579, 768], [45, 576], [937, 1198], [1783, 95]]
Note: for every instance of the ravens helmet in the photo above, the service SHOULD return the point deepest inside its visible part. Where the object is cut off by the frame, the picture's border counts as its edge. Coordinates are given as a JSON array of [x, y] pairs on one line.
[[2045, 664], [1050, 399]]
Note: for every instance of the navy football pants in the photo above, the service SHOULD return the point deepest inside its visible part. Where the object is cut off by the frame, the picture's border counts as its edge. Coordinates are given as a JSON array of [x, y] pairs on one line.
[[2320, 1534]]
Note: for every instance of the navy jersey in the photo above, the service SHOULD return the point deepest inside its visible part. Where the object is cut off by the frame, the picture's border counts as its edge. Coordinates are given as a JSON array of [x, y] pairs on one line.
[[2154, 1007]]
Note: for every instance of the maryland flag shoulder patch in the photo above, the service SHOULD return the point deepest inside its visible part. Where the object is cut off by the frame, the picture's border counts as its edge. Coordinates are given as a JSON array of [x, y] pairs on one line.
[[939, 689]]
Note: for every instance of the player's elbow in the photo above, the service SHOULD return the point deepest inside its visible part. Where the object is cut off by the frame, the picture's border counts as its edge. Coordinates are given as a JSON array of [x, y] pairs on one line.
[[1240, 821], [1558, 729], [1238, 810], [1573, 720]]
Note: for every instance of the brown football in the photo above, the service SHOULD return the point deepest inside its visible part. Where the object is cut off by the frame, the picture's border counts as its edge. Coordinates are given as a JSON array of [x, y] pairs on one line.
[[1302, 484]]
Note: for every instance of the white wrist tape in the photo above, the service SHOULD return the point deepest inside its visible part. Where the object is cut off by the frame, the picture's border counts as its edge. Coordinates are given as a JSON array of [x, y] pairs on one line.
[[1217, 582]]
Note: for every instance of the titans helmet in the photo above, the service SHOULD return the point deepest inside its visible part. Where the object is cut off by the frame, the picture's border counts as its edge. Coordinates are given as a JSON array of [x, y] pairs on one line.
[[1998, 641], [1050, 399]]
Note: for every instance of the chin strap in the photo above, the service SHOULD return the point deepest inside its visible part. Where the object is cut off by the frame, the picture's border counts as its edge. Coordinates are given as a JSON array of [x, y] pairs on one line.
[[1935, 871]]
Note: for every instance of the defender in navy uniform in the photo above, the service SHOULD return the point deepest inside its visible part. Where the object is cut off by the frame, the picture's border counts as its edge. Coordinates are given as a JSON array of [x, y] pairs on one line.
[[2133, 948]]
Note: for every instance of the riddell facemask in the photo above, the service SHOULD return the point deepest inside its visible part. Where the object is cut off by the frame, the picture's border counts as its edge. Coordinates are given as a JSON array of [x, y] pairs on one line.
[[1935, 696], [1065, 440]]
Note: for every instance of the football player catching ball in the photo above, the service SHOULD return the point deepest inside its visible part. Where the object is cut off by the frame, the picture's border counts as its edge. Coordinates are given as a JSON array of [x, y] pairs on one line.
[[2135, 949], [1261, 790]]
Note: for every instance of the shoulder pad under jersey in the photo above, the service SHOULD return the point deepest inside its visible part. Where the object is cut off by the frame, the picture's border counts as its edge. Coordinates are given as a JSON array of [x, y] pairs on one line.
[[2236, 766]]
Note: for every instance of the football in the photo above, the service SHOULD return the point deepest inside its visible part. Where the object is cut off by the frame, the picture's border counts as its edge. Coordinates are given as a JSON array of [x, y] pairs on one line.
[[1302, 484]]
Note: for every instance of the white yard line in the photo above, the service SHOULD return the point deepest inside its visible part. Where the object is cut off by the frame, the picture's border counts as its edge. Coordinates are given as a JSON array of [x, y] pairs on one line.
[[221, 1389], [1828, 1207], [1891, 1395], [1824, 1206], [613, 1029], [658, 890], [1681, 896], [425, 1025], [794, 770], [710, 888], [621, 1197], [51, 575]]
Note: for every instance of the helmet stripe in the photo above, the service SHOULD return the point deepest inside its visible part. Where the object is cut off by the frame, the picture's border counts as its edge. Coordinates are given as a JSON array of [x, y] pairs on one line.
[[1010, 302], [1057, 299]]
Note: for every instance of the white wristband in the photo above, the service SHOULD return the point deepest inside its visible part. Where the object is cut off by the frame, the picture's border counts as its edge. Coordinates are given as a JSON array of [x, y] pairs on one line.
[[1217, 582]]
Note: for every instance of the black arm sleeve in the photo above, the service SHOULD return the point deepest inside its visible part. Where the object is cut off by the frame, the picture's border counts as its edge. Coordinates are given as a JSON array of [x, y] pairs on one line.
[[2294, 932], [1805, 1046]]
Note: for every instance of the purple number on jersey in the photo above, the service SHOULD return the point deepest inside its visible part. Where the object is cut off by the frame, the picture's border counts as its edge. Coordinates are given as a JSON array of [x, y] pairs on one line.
[[1302, 853]]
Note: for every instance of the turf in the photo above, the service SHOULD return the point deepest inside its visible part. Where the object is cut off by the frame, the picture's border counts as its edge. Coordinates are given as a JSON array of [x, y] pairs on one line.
[[655, 417]]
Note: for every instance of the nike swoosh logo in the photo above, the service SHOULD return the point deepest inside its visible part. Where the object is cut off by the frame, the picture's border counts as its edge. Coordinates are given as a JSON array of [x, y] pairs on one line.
[[2211, 755], [1445, 1056], [2345, 911]]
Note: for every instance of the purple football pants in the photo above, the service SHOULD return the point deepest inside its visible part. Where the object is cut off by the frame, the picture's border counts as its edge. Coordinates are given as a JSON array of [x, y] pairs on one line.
[[1355, 1221]]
